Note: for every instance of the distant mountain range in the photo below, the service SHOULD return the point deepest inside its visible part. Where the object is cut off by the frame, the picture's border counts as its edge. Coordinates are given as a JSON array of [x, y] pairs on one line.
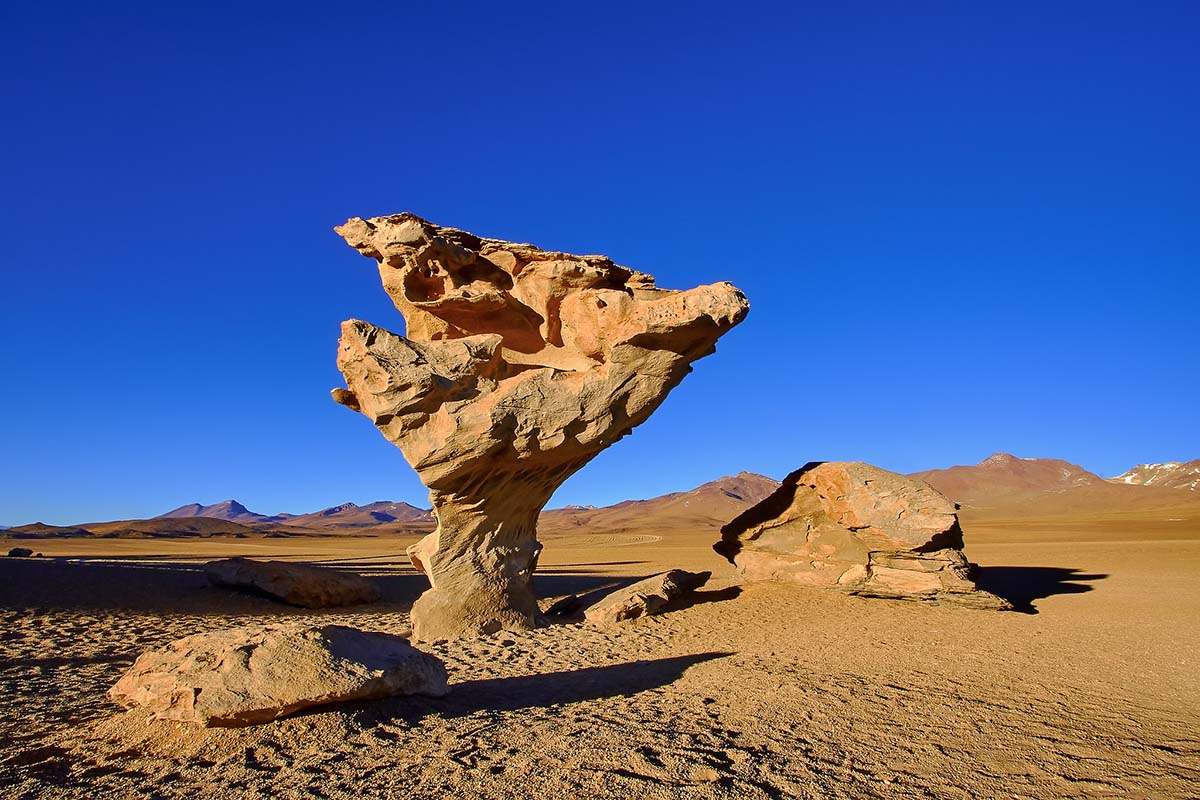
[[1001, 485], [349, 515], [1168, 475], [346, 515], [706, 507], [228, 510]]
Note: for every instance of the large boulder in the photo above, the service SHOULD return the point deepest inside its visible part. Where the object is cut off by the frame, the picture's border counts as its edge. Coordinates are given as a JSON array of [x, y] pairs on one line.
[[518, 366], [646, 597], [295, 584], [860, 529], [20, 552], [245, 676]]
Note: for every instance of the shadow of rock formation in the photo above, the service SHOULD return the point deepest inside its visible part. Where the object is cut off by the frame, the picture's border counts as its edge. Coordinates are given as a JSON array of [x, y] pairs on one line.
[[162, 587], [1022, 585], [701, 596], [533, 691]]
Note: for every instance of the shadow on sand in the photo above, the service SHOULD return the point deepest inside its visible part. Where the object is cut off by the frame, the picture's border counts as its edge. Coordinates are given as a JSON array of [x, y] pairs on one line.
[[160, 587], [532, 691], [157, 587], [1022, 585]]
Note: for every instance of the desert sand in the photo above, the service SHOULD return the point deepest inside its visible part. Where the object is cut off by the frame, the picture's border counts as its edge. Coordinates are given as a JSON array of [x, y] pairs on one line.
[[761, 690]]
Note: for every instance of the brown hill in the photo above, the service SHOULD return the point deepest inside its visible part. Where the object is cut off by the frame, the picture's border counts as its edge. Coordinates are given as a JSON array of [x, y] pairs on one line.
[[346, 515], [171, 527], [228, 510], [1167, 475], [40, 530], [1004, 485], [706, 507], [1001, 485], [349, 515]]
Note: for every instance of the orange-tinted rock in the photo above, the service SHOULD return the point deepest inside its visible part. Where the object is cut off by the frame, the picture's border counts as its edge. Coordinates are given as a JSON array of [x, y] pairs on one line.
[[518, 366], [859, 529]]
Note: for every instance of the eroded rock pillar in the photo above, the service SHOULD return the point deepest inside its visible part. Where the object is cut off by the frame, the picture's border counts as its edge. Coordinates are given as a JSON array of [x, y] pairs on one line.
[[480, 564], [519, 366]]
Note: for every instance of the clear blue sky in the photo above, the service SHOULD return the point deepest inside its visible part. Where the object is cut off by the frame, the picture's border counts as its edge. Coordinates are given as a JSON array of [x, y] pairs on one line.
[[962, 227]]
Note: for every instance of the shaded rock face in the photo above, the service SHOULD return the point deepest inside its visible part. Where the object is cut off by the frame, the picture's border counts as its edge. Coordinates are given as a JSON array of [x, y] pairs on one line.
[[245, 676], [860, 529], [20, 552], [519, 365], [295, 584], [646, 597]]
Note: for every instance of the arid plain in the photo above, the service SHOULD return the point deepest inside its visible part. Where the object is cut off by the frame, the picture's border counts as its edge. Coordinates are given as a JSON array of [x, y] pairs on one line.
[[745, 690]]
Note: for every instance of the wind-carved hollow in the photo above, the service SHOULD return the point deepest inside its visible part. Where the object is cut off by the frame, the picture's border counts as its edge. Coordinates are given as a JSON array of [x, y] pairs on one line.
[[518, 365]]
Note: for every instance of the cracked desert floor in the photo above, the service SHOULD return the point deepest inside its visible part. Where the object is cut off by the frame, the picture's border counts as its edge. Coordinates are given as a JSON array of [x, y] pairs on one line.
[[764, 690]]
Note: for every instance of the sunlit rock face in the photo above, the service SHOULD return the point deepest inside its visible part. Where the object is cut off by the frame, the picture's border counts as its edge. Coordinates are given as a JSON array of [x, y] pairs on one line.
[[860, 529], [519, 365]]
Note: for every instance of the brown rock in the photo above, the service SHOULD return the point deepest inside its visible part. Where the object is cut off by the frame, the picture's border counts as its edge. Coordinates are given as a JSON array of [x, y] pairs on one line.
[[295, 584], [20, 552], [245, 676], [518, 367], [859, 529], [646, 597]]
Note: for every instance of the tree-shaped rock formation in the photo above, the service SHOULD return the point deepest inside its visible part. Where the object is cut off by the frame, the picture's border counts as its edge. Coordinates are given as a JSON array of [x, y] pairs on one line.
[[519, 365]]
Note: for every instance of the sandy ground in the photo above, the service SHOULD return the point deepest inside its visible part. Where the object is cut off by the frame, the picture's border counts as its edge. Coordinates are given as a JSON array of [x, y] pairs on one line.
[[759, 691]]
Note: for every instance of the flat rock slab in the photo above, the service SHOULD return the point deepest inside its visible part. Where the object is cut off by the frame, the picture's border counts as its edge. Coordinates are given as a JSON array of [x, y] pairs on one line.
[[246, 676], [295, 584], [646, 597]]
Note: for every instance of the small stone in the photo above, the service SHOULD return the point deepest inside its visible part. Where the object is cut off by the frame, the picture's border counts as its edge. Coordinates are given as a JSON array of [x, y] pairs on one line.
[[646, 597]]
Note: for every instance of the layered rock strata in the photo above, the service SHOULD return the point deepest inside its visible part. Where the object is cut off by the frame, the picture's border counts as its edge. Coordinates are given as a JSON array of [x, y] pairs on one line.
[[859, 529], [518, 366]]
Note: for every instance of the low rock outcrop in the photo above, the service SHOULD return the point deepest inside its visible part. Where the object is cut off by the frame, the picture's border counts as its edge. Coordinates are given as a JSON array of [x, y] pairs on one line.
[[518, 366], [295, 584], [245, 676], [646, 597], [20, 552], [860, 529]]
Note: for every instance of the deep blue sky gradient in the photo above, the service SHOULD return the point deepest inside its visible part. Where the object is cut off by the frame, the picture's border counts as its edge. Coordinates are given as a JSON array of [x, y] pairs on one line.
[[962, 227]]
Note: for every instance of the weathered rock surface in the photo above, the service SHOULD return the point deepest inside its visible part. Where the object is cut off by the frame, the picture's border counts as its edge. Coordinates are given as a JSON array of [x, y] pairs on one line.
[[295, 584], [646, 597], [860, 529], [245, 676], [518, 367]]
